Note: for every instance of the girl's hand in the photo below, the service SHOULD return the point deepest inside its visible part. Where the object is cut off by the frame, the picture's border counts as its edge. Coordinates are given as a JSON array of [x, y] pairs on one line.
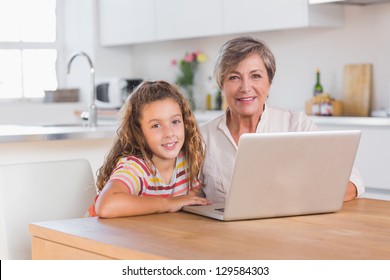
[[174, 204]]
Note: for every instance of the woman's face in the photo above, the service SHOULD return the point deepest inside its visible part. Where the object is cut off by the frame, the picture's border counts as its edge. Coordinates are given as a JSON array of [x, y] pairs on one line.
[[163, 128], [246, 88]]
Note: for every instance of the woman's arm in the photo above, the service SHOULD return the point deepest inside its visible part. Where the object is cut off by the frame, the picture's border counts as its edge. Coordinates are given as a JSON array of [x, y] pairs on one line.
[[115, 200], [351, 192]]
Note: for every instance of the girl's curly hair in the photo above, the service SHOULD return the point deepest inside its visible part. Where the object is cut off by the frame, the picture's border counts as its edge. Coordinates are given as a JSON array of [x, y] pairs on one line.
[[130, 141]]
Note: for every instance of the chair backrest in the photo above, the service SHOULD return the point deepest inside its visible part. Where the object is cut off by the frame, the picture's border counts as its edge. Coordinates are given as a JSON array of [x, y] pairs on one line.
[[40, 191]]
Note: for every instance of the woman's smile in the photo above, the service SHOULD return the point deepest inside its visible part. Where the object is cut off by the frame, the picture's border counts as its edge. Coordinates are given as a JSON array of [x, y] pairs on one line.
[[246, 99]]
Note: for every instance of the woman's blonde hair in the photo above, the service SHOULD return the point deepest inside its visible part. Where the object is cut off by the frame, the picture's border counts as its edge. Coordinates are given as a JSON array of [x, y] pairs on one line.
[[130, 140]]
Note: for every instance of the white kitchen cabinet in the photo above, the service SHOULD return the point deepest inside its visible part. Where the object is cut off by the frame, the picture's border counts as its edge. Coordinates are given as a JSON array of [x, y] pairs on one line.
[[34, 143], [123, 22], [138, 21], [264, 15], [178, 19], [94, 150]]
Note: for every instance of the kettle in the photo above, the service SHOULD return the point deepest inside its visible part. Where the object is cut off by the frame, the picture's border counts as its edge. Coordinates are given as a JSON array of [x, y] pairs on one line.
[[113, 93]]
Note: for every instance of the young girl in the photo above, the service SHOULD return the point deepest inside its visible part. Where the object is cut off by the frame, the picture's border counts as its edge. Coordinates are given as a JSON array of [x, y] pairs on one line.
[[157, 155]]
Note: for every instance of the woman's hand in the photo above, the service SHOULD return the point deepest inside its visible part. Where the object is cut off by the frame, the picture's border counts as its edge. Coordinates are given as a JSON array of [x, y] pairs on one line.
[[351, 192]]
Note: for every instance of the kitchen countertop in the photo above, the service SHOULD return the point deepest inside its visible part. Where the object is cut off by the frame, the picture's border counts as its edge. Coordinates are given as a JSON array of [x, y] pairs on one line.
[[49, 132], [203, 116], [28, 133], [353, 121]]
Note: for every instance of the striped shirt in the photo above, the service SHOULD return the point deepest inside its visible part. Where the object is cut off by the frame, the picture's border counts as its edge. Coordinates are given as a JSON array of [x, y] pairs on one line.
[[142, 181]]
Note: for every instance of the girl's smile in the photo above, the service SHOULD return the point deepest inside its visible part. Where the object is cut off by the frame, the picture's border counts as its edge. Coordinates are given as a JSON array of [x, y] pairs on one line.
[[170, 146]]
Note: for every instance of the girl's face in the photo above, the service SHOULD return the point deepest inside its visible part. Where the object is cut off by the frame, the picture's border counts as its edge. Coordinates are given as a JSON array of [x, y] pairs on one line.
[[246, 88], [163, 128]]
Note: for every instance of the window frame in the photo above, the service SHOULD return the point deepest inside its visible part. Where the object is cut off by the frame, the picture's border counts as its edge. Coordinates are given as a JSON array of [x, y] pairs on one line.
[[56, 45]]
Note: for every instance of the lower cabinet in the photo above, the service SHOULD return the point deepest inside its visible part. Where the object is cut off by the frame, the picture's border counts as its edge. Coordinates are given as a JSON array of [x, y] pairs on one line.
[[94, 150]]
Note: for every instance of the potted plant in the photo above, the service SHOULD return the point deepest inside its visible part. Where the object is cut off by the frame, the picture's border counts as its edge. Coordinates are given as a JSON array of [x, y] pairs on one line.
[[187, 68]]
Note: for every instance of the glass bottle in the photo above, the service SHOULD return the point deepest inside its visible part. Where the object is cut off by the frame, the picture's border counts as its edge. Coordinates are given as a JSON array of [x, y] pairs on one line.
[[318, 89], [209, 93]]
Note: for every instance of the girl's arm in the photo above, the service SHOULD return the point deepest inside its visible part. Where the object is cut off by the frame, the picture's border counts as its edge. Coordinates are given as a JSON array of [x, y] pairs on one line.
[[115, 200]]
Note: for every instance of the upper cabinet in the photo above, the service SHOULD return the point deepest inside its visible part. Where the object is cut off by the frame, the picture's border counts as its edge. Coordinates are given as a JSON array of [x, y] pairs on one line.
[[123, 22], [179, 19], [265, 15], [138, 21]]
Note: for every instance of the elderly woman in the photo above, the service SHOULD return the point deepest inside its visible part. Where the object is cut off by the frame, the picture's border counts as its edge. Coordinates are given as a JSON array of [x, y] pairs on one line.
[[244, 70]]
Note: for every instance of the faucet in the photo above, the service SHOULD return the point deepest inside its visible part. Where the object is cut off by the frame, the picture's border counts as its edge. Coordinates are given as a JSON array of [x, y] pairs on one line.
[[92, 118]]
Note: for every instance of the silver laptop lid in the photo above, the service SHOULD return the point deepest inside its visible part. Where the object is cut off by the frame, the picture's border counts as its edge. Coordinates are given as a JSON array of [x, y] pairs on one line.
[[292, 173]]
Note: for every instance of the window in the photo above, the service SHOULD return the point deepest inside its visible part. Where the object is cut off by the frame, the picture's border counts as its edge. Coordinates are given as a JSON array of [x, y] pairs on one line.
[[28, 48]]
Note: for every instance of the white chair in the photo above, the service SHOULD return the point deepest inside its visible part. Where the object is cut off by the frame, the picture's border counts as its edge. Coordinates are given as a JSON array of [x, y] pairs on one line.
[[40, 191]]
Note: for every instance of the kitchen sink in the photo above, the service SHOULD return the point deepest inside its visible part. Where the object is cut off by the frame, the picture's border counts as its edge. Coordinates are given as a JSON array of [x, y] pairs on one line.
[[100, 124], [64, 125]]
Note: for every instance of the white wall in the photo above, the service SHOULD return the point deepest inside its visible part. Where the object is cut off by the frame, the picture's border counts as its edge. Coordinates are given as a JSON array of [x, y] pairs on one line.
[[81, 34], [364, 38]]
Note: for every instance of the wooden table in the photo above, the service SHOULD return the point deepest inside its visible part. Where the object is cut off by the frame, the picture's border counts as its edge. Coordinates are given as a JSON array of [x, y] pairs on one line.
[[361, 230]]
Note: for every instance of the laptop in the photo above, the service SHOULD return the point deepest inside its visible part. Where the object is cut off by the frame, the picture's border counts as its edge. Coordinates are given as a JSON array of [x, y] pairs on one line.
[[287, 174]]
